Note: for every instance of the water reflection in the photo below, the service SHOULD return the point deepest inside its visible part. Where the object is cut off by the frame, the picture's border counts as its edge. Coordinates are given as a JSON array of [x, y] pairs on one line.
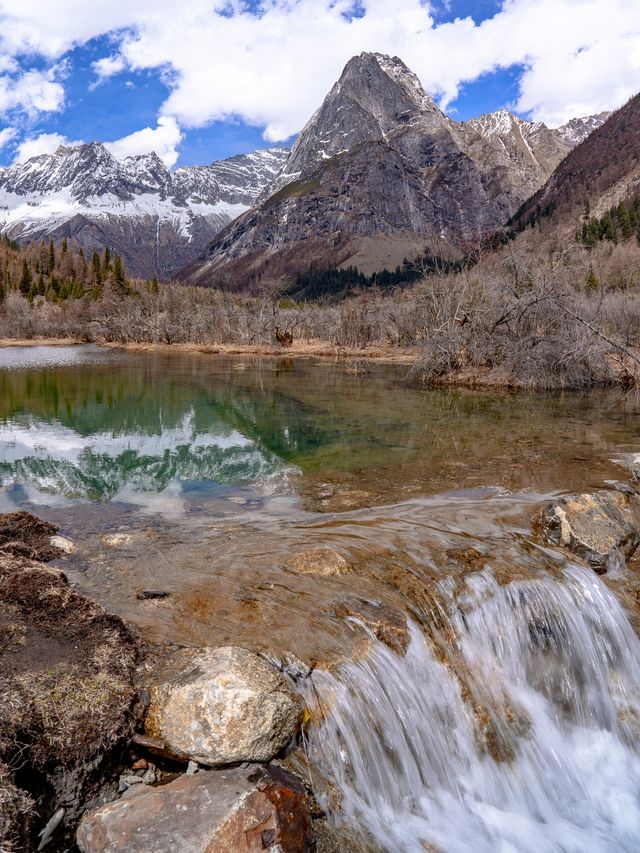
[[94, 425]]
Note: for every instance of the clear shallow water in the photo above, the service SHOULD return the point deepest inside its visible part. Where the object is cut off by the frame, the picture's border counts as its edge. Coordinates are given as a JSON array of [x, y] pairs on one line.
[[512, 722], [88, 424]]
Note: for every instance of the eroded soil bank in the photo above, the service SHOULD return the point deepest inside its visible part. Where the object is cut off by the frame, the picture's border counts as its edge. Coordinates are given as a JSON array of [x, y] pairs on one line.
[[67, 697]]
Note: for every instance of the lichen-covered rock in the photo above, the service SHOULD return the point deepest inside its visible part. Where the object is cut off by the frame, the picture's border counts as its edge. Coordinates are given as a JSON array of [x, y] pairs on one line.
[[592, 526], [224, 705], [319, 561], [239, 810]]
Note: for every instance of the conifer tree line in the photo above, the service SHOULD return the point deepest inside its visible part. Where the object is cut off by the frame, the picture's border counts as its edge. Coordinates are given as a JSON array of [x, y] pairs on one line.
[[42, 271], [619, 223]]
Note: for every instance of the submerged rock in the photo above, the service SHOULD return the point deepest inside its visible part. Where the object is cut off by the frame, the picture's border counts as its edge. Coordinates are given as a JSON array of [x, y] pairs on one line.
[[239, 810], [64, 544], [220, 706], [385, 623], [592, 526], [319, 561]]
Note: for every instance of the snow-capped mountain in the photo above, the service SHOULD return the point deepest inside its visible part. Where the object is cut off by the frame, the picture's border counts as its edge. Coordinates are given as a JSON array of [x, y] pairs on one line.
[[576, 130], [378, 172], [534, 143], [156, 219], [378, 161]]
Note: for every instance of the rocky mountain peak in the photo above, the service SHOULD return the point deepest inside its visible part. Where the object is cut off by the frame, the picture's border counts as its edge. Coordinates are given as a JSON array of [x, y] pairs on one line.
[[375, 96], [576, 130]]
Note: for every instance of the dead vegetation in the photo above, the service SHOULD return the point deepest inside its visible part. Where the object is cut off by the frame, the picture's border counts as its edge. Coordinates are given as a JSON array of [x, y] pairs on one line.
[[569, 320]]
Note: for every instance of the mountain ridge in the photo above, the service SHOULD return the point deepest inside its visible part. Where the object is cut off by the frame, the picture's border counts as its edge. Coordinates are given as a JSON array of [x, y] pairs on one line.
[[384, 168], [87, 195], [379, 163]]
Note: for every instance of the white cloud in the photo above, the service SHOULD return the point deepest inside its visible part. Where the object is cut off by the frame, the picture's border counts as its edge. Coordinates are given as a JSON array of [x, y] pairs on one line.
[[272, 69], [32, 92], [45, 143], [107, 67], [6, 135], [163, 139]]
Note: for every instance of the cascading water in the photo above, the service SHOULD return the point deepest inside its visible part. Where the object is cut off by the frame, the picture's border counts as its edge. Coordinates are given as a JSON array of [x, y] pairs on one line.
[[513, 730]]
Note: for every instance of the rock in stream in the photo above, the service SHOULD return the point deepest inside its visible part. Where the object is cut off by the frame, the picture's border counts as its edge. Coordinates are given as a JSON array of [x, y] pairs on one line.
[[220, 706], [235, 810]]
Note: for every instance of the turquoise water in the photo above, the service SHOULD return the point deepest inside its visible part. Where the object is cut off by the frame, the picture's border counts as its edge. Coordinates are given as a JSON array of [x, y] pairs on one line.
[[83, 424]]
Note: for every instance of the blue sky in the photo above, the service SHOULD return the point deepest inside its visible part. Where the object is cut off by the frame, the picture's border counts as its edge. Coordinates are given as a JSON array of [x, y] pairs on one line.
[[221, 77]]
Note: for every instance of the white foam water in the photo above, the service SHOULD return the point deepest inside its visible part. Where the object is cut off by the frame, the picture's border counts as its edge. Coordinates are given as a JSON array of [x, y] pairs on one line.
[[519, 736]]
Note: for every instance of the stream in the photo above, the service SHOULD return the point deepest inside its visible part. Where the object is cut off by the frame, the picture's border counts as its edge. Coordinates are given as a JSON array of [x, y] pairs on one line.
[[471, 688]]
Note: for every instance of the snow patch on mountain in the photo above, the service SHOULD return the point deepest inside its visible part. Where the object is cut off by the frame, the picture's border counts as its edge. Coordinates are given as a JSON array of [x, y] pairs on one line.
[[131, 199]]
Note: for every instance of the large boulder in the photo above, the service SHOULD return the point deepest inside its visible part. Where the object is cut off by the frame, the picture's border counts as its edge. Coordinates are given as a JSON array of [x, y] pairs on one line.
[[239, 810], [224, 705], [594, 526]]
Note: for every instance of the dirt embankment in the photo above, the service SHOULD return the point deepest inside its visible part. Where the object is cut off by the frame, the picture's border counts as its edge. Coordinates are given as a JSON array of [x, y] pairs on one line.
[[67, 699]]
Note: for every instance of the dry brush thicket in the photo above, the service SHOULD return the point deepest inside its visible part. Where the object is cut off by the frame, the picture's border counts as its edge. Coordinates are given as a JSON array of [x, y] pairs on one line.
[[571, 320]]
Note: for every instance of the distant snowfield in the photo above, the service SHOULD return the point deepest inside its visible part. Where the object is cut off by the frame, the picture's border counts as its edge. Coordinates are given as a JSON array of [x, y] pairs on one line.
[[32, 210]]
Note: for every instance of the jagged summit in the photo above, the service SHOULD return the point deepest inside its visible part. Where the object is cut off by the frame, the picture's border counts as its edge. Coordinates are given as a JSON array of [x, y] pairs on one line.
[[576, 130], [375, 95], [378, 171]]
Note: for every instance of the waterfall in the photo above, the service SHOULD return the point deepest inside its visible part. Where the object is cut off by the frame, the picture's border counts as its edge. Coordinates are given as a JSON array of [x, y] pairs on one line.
[[513, 730]]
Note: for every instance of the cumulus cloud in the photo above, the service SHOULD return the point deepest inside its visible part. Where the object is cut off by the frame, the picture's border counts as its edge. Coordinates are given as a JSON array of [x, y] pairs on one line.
[[31, 92], [45, 143], [163, 139], [7, 134], [272, 67]]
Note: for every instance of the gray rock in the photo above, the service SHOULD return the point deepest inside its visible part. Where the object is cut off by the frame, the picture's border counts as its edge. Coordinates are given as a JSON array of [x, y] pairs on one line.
[[236, 810], [595, 526], [220, 706]]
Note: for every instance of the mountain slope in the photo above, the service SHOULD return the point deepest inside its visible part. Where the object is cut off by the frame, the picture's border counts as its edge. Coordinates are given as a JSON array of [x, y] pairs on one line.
[[156, 219], [377, 173], [602, 170]]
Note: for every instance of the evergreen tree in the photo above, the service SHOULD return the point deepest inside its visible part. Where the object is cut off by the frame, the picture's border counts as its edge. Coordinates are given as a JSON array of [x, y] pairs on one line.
[[65, 247], [106, 261], [52, 257], [119, 279], [25, 279], [592, 282], [97, 269]]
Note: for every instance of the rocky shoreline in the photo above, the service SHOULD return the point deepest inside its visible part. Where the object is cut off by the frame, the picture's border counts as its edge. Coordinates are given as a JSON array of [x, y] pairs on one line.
[[109, 743], [102, 737]]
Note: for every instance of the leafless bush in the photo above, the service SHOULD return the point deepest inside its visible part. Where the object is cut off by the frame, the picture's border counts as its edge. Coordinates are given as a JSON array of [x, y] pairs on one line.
[[512, 320]]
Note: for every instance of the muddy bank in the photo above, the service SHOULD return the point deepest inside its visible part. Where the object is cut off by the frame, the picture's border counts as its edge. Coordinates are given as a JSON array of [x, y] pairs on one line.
[[470, 376], [67, 697]]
